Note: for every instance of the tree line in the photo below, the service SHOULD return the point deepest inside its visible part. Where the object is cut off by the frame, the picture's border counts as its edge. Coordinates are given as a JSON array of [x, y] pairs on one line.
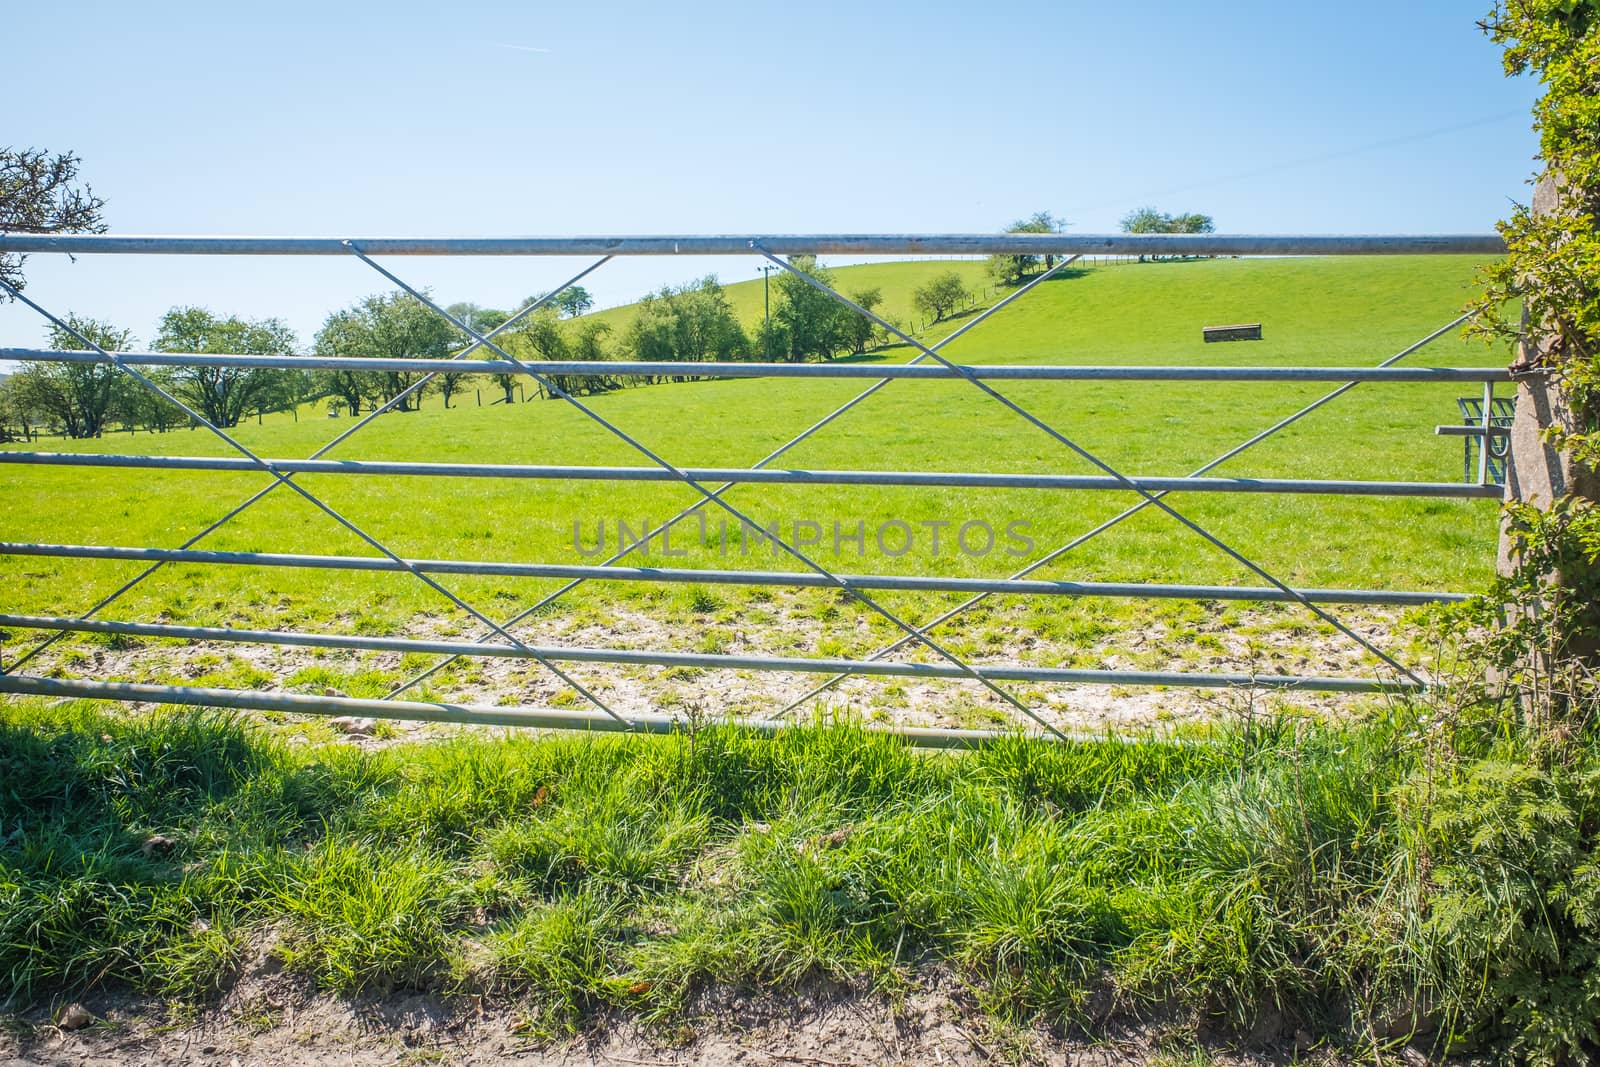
[[688, 324]]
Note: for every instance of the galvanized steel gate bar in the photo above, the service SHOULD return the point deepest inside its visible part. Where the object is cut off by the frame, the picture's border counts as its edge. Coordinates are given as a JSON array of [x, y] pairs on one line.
[[1151, 491]]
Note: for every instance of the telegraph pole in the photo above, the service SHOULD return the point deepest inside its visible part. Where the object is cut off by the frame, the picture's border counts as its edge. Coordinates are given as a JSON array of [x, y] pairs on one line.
[[766, 298]]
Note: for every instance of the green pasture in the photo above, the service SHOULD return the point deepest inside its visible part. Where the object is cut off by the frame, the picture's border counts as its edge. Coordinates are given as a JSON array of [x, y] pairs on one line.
[[1328, 311]]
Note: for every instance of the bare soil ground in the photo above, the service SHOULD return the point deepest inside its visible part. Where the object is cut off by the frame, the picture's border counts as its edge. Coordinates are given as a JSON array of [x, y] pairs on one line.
[[275, 1023]]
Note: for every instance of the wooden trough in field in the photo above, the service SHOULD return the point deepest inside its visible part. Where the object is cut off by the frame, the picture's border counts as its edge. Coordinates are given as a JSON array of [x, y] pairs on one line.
[[1249, 331]]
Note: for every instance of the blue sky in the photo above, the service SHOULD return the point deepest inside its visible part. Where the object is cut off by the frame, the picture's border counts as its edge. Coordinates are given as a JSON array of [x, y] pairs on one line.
[[354, 119]]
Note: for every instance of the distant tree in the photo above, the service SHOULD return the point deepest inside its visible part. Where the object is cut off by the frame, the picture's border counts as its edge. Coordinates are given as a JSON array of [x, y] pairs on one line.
[[704, 325], [134, 405], [587, 344], [541, 336], [1149, 220], [479, 318], [77, 397], [343, 334], [940, 296], [1145, 220], [388, 326], [1011, 270], [652, 335], [574, 301], [771, 337], [482, 320], [860, 331], [15, 415], [1193, 223], [690, 323], [39, 194], [812, 322], [571, 302], [224, 395]]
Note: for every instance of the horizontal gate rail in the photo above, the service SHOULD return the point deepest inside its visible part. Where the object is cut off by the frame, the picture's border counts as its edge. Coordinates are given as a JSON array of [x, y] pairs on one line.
[[715, 661], [836, 369], [768, 476], [691, 575], [460, 714], [1059, 244]]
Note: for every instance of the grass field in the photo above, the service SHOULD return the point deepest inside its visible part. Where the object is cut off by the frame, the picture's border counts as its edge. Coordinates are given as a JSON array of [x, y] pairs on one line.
[[1371, 885], [1353, 312], [576, 876]]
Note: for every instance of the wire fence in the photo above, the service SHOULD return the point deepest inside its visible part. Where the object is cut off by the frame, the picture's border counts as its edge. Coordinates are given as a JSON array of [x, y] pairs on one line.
[[498, 637]]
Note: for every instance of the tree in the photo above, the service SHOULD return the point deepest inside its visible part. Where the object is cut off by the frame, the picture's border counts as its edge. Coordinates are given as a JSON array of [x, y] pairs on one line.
[[940, 296], [587, 345], [387, 326], [542, 337], [772, 336], [77, 397], [689, 323], [478, 318], [14, 414], [860, 331], [134, 405], [651, 336], [1149, 220], [574, 301], [538, 337], [571, 302], [1012, 269], [704, 325], [343, 334], [482, 320], [39, 194], [224, 395], [812, 322]]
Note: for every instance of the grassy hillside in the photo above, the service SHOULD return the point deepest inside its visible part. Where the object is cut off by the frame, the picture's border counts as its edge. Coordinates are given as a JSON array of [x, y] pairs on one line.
[[1316, 312], [895, 280]]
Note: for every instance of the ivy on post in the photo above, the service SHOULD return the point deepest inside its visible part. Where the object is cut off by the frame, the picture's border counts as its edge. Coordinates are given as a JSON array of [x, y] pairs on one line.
[[1545, 296]]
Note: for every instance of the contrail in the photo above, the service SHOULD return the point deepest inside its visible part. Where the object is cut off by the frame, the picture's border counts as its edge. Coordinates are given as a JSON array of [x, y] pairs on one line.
[[518, 47]]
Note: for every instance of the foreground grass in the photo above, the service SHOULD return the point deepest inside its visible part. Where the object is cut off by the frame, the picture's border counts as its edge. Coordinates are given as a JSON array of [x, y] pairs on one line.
[[1326, 874]]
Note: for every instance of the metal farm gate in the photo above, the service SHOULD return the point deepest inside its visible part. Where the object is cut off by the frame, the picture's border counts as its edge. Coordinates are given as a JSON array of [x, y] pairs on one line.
[[713, 484]]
